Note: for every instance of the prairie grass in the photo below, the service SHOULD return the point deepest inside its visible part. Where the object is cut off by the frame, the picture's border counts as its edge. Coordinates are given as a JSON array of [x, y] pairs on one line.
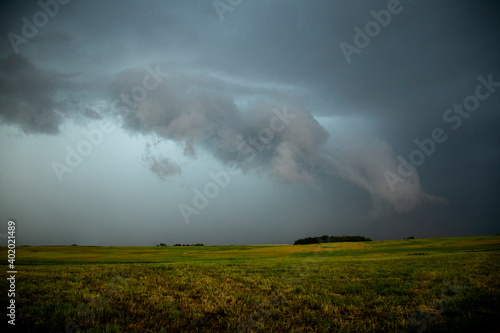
[[431, 285]]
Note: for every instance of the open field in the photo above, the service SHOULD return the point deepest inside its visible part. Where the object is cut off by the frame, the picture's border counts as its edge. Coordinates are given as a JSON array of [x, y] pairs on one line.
[[431, 285]]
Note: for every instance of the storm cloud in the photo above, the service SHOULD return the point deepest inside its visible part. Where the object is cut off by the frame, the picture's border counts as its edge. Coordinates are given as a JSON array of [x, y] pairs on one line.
[[198, 111], [268, 87], [29, 96]]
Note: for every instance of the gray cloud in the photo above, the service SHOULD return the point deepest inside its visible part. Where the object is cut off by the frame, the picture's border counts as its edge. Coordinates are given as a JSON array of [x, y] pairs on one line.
[[225, 79], [160, 165], [199, 112], [363, 160], [29, 96]]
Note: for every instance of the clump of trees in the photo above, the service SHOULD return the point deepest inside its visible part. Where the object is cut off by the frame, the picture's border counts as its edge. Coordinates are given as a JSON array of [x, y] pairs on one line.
[[330, 239]]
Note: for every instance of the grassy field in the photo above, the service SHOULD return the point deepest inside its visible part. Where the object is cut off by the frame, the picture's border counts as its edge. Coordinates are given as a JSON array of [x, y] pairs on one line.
[[421, 285]]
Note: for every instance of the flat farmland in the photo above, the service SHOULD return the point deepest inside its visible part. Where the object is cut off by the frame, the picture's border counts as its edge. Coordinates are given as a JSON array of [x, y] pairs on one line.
[[418, 285]]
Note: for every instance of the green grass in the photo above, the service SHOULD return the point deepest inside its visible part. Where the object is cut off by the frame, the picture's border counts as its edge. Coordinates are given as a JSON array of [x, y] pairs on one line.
[[431, 285]]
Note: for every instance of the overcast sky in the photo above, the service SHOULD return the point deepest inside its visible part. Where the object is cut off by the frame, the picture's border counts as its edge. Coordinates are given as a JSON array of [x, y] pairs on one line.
[[248, 122]]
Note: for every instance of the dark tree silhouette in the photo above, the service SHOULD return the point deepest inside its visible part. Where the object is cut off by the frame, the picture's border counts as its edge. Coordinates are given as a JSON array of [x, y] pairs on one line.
[[330, 239]]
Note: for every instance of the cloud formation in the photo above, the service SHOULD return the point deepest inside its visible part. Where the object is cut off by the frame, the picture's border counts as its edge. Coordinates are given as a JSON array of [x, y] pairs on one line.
[[364, 160], [173, 72], [160, 165], [289, 145], [28, 96], [198, 111]]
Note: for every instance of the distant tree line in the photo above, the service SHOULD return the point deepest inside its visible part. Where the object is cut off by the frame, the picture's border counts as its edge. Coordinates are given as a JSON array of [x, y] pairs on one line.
[[330, 239], [197, 244]]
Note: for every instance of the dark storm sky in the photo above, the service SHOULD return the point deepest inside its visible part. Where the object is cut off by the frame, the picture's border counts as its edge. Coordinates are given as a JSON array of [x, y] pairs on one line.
[[230, 122]]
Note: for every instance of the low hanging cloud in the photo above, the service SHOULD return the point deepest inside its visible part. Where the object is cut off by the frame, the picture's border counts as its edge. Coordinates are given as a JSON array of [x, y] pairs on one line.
[[272, 132], [160, 165], [198, 112], [31, 98], [363, 159]]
